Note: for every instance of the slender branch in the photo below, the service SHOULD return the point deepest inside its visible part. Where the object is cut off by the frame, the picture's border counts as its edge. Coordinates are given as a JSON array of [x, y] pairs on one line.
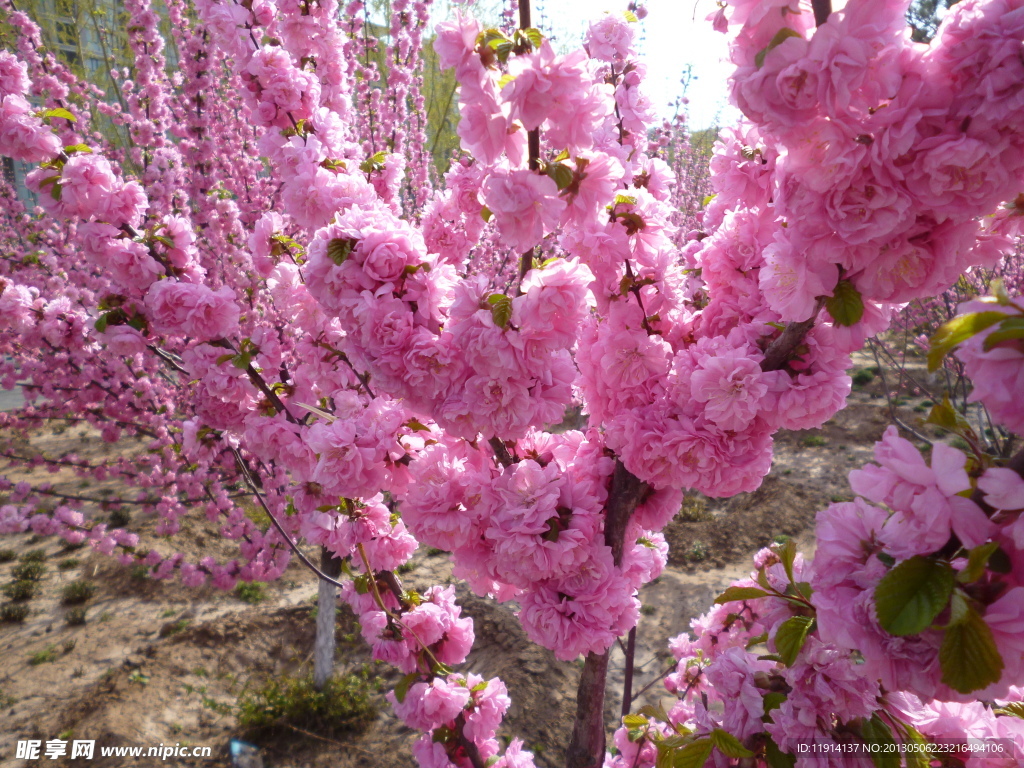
[[822, 10], [627, 685], [284, 534], [501, 452], [781, 350]]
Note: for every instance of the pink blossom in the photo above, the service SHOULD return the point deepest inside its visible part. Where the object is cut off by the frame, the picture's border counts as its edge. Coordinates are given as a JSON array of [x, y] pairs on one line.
[[525, 206]]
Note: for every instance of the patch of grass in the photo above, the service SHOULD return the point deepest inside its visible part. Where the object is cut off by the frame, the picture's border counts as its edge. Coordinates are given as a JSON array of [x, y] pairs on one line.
[[11, 613], [252, 592], [648, 610], [7, 555], [105, 617], [346, 704], [140, 573], [694, 510], [5, 700], [67, 565], [20, 591], [43, 657], [31, 570], [258, 517], [814, 441], [863, 376], [34, 556], [138, 678], [200, 672], [176, 628], [76, 616], [119, 518], [698, 552], [959, 443], [69, 645], [77, 592], [168, 613]]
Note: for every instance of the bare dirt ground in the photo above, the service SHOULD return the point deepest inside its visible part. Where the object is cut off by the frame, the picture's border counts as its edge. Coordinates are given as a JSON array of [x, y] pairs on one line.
[[158, 663]]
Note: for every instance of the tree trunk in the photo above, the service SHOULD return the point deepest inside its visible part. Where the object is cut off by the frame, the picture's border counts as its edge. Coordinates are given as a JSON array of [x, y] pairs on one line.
[[326, 607], [586, 750]]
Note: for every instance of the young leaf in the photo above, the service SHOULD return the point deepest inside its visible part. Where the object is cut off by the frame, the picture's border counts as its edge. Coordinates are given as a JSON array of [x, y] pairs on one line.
[[694, 754], [339, 249], [780, 37], [59, 112], [403, 685], [958, 330], [787, 553], [977, 559], [634, 721], [655, 711], [790, 637], [876, 732], [740, 593], [845, 304], [728, 744], [911, 595], [501, 309], [534, 36], [775, 757], [968, 655], [1010, 329]]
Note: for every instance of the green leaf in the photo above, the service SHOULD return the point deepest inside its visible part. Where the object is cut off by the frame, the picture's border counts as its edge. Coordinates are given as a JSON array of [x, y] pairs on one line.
[[790, 637], [707, 200], [773, 700], [625, 200], [561, 173], [957, 331], [775, 757], [485, 213], [977, 559], [694, 754], [664, 759], [781, 36], [655, 711], [911, 595], [968, 655], [845, 305], [740, 593], [501, 309], [1013, 709], [339, 249], [505, 80], [242, 360], [876, 732], [763, 637], [1010, 329], [922, 756], [73, 148], [224, 358], [787, 553], [947, 417], [728, 744], [417, 426], [634, 721], [102, 321], [59, 112], [402, 688], [534, 36], [630, 17]]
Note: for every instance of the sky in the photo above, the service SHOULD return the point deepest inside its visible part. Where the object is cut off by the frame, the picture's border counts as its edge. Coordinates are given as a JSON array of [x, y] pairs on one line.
[[675, 35]]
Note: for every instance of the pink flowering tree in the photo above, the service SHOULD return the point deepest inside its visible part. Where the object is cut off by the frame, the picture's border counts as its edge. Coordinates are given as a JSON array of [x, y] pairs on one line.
[[284, 307]]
